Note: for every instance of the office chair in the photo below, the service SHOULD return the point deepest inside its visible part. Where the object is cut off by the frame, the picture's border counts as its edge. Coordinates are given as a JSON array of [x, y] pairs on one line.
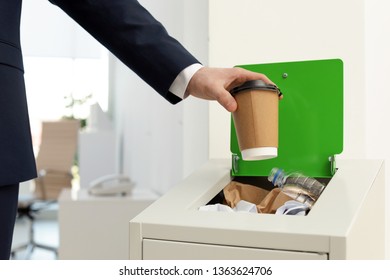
[[54, 162]]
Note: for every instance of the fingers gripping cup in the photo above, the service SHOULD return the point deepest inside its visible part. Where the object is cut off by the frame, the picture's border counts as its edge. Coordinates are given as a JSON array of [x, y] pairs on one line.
[[256, 119]]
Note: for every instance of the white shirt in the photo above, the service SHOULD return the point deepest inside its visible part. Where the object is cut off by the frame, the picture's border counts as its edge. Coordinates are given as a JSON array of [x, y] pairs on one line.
[[179, 85]]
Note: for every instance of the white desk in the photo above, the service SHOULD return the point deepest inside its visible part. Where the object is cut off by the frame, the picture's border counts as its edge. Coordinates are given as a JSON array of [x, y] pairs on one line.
[[98, 227], [347, 222]]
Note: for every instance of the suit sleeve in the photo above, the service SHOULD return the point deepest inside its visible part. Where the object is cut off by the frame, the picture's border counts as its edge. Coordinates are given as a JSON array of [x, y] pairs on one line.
[[131, 33]]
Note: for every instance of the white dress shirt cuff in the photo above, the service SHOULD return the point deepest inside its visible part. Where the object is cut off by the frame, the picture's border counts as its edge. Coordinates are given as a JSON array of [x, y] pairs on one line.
[[179, 85]]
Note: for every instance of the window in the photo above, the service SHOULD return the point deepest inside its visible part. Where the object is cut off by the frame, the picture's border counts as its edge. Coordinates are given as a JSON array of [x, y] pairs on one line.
[[52, 83]]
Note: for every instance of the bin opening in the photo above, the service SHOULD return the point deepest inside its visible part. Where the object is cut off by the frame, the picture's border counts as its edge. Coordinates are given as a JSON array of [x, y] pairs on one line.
[[257, 195], [310, 135]]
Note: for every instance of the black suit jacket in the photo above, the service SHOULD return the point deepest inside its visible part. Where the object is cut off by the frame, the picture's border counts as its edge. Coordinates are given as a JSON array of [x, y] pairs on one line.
[[135, 37], [123, 26]]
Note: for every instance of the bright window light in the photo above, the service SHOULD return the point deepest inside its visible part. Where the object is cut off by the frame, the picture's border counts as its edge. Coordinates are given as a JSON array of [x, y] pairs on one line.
[[52, 83]]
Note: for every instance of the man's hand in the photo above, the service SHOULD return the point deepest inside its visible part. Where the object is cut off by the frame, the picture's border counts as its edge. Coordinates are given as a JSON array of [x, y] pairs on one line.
[[216, 83]]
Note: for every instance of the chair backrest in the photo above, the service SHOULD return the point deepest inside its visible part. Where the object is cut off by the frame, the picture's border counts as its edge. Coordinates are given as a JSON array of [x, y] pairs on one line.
[[55, 157]]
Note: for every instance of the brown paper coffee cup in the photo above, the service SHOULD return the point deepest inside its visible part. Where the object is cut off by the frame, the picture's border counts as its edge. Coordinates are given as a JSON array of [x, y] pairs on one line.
[[256, 120]]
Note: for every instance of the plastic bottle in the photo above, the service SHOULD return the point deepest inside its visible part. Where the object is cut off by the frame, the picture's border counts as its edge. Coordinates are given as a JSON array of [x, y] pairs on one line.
[[296, 185]]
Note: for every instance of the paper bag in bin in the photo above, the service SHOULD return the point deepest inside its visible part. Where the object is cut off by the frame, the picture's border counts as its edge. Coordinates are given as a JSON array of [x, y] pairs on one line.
[[267, 202]]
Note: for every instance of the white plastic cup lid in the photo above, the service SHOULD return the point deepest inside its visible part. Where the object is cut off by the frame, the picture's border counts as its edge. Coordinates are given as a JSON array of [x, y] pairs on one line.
[[260, 153]]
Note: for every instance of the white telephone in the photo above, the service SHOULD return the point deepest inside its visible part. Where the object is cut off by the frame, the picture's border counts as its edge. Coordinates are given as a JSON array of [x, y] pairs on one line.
[[114, 184]]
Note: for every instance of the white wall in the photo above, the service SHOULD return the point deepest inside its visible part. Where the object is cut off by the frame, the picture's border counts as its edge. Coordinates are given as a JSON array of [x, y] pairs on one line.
[[161, 143], [377, 89], [261, 31]]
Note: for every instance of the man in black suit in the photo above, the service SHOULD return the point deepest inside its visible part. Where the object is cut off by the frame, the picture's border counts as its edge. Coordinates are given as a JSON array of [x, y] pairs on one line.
[[126, 29]]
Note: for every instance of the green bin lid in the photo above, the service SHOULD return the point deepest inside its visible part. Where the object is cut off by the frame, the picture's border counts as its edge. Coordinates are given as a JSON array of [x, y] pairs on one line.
[[310, 118]]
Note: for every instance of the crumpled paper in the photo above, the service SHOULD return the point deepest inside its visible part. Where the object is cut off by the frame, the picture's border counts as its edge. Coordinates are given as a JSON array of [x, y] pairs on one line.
[[266, 201], [292, 207], [241, 197], [241, 206]]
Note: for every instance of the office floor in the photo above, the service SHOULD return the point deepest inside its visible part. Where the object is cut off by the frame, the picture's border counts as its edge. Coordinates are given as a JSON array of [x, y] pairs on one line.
[[46, 229], [46, 232]]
